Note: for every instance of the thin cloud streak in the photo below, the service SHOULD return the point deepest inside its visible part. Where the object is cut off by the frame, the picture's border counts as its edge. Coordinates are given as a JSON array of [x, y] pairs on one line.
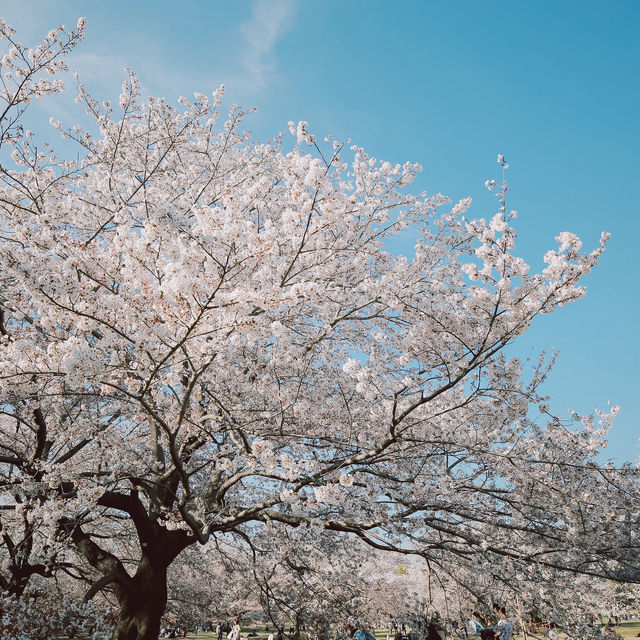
[[268, 22]]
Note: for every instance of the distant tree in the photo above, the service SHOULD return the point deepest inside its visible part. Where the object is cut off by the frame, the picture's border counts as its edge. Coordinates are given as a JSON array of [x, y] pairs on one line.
[[202, 334], [211, 582], [315, 581]]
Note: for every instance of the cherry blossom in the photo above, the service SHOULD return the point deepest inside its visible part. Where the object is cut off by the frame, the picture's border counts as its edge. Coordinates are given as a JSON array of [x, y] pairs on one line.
[[205, 335]]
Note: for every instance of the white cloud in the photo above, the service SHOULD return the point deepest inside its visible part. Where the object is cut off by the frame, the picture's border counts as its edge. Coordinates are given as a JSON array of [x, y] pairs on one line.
[[268, 22]]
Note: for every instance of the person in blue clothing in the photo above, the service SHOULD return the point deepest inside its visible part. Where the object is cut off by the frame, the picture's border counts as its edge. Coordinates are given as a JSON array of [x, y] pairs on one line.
[[504, 629]]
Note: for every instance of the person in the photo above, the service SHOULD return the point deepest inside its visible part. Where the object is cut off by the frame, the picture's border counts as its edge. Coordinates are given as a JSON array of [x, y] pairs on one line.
[[234, 634], [504, 629], [219, 629], [270, 636], [472, 627]]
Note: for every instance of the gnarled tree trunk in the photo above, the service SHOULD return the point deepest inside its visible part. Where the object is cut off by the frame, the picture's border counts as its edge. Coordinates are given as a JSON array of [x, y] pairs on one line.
[[143, 603], [143, 597]]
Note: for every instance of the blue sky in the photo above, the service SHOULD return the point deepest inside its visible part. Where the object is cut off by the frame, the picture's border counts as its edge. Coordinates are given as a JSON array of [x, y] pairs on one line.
[[554, 86]]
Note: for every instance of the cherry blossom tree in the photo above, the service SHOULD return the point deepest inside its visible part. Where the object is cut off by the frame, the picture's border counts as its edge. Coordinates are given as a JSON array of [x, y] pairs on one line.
[[211, 582], [314, 582], [27, 74], [47, 612], [202, 334]]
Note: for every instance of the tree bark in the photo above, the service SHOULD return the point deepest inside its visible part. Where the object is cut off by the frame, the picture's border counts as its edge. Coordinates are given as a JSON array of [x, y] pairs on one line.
[[20, 574], [142, 598], [18, 582], [142, 605]]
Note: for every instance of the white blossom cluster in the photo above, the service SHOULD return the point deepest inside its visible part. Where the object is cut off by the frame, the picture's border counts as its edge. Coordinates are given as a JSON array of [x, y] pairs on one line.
[[48, 618]]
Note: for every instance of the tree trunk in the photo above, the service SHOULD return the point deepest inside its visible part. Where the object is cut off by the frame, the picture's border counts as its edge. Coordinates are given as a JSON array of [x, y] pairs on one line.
[[20, 576], [18, 583], [142, 598], [297, 630], [142, 605]]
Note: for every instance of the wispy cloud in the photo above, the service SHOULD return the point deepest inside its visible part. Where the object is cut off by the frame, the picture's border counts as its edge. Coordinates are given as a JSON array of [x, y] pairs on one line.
[[269, 20]]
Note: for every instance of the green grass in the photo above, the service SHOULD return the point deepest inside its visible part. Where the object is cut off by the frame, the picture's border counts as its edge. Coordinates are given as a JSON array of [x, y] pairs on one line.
[[629, 629], [625, 629]]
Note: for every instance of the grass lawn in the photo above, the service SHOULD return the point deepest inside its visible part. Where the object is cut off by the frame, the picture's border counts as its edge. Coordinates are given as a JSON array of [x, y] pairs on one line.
[[629, 629]]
